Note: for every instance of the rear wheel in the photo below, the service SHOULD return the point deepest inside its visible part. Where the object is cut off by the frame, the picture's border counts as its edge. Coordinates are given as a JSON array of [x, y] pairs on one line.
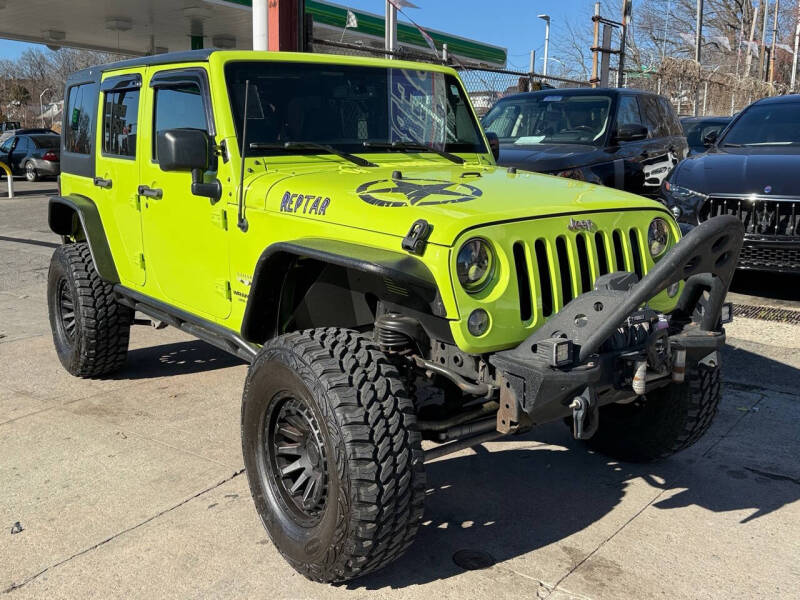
[[669, 420], [31, 174], [334, 464], [90, 328]]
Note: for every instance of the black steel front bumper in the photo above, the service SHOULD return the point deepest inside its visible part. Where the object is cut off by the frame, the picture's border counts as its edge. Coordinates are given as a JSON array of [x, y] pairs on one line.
[[533, 391]]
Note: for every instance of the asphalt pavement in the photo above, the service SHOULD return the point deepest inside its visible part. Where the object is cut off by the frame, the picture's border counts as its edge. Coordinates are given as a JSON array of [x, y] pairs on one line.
[[132, 487]]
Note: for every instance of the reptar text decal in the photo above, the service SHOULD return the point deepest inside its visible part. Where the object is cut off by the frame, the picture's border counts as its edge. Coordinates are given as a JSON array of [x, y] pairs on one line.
[[306, 204]]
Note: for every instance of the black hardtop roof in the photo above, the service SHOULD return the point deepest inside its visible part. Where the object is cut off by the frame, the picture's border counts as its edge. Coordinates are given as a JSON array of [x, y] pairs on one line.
[[579, 92], [93, 73], [787, 99]]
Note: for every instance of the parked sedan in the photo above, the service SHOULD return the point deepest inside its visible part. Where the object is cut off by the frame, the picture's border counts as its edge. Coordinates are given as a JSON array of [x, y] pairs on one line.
[[34, 155], [698, 129], [751, 171], [622, 138]]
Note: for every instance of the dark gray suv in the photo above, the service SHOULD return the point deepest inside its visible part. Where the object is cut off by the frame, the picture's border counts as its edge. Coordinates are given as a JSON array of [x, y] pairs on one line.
[[622, 138]]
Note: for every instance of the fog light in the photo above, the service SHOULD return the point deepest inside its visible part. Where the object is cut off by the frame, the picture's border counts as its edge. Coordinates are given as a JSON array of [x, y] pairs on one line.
[[726, 314], [556, 351], [478, 322], [672, 290], [676, 212]]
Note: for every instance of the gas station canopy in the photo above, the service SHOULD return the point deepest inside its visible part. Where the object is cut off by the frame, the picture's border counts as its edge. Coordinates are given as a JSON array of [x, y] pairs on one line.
[[153, 26]]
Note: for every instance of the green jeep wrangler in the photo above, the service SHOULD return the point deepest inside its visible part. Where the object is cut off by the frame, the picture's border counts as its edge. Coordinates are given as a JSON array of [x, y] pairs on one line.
[[340, 224]]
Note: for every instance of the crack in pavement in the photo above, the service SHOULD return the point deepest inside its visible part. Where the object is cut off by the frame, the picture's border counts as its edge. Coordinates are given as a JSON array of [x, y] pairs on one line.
[[16, 586], [605, 541]]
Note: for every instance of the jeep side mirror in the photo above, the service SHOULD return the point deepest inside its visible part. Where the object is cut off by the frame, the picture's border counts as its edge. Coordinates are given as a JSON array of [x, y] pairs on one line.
[[710, 138], [494, 143], [188, 150], [630, 132]]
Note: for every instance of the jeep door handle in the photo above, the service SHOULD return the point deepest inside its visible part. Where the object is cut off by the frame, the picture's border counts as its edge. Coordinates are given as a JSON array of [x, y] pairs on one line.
[[149, 192], [103, 183]]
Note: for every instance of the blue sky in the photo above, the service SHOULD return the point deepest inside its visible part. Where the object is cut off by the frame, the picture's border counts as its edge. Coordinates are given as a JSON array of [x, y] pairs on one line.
[[508, 23]]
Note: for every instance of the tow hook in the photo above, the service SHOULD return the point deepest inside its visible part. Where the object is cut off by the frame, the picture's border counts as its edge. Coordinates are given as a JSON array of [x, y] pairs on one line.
[[585, 414]]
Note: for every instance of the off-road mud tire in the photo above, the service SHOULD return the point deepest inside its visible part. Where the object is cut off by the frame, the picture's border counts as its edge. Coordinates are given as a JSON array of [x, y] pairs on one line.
[[669, 420], [97, 342], [372, 454]]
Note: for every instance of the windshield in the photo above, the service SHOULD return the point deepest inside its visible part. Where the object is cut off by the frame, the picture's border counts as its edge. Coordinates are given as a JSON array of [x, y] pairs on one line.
[[350, 107], [766, 125], [550, 118]]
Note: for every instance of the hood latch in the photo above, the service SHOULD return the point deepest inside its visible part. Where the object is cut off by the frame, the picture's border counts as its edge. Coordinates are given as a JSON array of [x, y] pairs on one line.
[[417, 237]]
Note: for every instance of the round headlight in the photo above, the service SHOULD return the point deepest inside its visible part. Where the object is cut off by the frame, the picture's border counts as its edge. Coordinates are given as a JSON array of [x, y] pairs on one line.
[[658, 236], [475, 265]]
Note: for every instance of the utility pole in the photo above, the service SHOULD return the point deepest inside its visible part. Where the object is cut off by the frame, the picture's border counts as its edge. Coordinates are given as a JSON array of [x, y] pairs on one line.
[[626, 19], [546, 19], [390, 44], [774, 40], [763, 54], [796, 44], [532, 68], [749, 61], [698, 39], [595, 48], [41, 109]]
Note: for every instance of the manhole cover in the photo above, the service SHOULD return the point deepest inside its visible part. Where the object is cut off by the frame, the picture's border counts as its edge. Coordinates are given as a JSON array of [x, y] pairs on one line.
[[473, 560]]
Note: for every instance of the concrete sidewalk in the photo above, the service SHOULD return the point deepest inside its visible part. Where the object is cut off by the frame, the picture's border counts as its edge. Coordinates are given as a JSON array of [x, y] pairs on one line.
[[133, 486]]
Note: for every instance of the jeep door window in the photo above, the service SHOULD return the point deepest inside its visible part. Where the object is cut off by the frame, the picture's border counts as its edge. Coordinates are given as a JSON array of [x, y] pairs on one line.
[[80, 105], [550, 118], [120, 126], [178, 107], [349, 107]]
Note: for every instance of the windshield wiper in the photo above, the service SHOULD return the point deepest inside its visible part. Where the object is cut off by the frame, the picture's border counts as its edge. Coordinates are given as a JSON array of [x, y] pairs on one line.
[[731, 145], [288, 146], [415, 146]]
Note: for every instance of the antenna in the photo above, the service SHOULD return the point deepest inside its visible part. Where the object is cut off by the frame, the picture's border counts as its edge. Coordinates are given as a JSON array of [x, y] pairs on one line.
[[241, 221]]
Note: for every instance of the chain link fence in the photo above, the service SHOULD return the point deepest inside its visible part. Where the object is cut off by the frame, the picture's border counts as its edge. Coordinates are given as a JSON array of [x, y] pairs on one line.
[[714, 93], [485, 85]]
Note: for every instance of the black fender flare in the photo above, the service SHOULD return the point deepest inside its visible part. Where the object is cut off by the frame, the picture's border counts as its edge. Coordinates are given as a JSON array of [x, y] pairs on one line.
[[67, 215], [396, 277]]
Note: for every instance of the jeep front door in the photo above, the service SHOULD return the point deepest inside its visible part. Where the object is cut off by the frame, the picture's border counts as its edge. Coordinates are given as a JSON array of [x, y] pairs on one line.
[[185, 236]]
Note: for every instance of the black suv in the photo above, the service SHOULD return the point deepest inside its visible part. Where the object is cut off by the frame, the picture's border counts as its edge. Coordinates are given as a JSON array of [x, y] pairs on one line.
[[751, 171], [627, 139]]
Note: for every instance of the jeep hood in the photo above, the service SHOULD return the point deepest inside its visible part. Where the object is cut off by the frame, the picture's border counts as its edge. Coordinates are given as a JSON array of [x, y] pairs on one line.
[[451, 199]]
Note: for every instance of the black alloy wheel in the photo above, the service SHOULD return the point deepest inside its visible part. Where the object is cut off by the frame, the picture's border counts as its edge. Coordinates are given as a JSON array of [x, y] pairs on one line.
[[295, 456]]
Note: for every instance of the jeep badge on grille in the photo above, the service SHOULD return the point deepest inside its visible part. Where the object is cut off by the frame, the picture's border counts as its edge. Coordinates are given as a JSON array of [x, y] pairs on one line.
[[581, 224]]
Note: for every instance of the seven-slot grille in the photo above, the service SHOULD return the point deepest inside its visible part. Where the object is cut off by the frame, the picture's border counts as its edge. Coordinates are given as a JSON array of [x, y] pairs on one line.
[[554, 271], [761, 216]]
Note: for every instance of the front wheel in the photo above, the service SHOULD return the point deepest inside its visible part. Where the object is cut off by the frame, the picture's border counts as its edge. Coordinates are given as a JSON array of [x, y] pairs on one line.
[[666, 421], [31, 174], [333, 460]]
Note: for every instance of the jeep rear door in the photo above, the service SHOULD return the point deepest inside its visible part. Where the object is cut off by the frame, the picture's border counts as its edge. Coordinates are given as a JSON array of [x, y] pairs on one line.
[[117, 171], [185, 236]]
